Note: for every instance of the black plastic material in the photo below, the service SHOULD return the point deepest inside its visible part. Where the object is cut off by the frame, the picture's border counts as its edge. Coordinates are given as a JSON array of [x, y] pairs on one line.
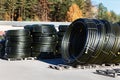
[[91, 41], [18, 44], [62, 28], [21, 32], [44, 29], [19, 39], [44, 40]]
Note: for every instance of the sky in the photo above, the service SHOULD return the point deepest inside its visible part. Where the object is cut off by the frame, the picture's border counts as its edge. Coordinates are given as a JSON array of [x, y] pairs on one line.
[[113, 5]]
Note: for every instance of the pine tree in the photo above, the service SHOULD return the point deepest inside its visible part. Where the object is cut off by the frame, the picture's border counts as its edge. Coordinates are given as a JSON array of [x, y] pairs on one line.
[[42, 10], [87, 9], [102, 11], [30, 6], [9, 7], [59, 9], [2, 10]]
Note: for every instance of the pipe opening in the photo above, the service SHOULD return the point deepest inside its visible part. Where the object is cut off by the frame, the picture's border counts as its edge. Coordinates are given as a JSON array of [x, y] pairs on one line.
[[77, 39]]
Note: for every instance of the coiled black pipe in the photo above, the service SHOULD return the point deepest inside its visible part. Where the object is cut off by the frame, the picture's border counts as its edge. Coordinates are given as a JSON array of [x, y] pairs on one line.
[[91, 41], [2, 48], [100, 42], [17, 33], [62, 29], [43, 29], [18, 44], [116, 48], [44, 41]]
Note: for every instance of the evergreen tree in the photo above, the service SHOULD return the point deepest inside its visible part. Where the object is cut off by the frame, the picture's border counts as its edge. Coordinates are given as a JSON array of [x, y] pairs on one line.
[[59, 10], [9, 7], [2, 10], [102, 11], [50, 10], [87, 9], [42, 10], [30, 6]]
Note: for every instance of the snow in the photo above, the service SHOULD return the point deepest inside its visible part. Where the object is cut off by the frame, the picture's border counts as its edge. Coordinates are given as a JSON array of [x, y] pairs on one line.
[[38, 70]]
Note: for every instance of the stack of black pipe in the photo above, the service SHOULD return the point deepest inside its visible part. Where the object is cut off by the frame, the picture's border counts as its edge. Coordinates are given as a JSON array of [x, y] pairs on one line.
[[18, 44], [91, 41], [28, 27], [44, 41], [116, 47], [2, 48], [62, 29]]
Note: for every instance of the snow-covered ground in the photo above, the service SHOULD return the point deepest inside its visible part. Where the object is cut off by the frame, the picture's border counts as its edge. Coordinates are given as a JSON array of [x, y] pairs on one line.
[[38, 70]]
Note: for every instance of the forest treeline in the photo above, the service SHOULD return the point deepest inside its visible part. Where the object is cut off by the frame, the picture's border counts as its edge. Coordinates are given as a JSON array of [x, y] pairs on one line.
[[53, 10]]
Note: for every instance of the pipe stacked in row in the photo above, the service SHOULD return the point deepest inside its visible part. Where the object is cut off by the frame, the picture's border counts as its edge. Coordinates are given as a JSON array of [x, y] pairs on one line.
[[62, 29], [44, 41], [18, 44]]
